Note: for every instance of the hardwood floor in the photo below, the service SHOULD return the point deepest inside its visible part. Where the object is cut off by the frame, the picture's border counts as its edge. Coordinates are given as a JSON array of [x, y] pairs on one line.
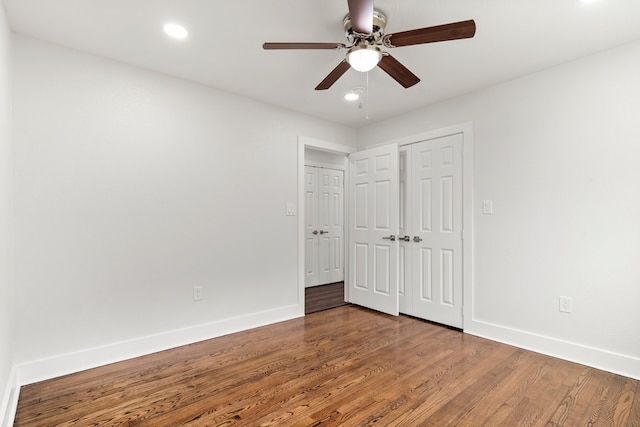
[[318, 298], [347, 366]]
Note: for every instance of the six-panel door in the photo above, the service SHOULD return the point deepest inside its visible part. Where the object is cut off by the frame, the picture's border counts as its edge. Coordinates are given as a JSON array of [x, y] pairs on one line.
[[373, 228], [434, 184]]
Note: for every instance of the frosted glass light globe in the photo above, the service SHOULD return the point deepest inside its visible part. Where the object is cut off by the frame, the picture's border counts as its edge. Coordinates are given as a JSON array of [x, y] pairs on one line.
[[364, 58]]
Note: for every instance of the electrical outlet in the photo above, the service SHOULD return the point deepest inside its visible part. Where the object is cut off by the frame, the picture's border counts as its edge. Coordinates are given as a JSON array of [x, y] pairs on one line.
[[197, 293], [566, 304]]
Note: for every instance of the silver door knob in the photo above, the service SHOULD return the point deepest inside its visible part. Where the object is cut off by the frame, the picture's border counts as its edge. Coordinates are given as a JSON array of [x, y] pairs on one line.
[[392, 238], [405, 238], [324, 232], [417, 239], [315, 231]]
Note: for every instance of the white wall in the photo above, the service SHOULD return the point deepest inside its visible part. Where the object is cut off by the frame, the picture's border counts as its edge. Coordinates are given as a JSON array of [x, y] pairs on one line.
[[6, 227], [131, 188], [324, 159], [558, 152]]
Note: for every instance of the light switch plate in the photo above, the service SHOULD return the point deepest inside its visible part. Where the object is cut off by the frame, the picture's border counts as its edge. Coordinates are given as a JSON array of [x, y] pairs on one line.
[[197, 293], [487, 207], [291, 209]]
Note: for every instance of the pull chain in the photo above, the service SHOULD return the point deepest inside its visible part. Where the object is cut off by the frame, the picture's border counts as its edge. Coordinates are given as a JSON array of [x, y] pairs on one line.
[[367, 98]]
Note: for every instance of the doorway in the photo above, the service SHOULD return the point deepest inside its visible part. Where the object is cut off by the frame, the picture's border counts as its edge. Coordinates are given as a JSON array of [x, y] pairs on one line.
[[321, 155]]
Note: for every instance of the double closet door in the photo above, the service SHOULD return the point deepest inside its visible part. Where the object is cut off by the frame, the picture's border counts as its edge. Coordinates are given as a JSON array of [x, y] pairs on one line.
[[324, 226], [405, 248]]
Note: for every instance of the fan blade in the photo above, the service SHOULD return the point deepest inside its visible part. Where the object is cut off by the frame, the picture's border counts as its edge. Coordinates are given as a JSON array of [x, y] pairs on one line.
[[361, 14], [270, 46], [399, 72], [334, 76], [439, 33]]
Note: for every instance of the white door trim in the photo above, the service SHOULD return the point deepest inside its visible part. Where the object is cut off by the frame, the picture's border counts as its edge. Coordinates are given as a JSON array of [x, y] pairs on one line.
[[467, 206], [331, 147]]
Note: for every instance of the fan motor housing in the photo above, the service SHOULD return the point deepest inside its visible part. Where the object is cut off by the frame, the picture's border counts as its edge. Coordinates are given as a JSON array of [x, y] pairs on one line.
[[355, 38]]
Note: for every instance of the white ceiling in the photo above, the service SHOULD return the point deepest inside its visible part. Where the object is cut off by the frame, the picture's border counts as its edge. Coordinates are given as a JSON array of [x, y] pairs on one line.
[[224, 47]]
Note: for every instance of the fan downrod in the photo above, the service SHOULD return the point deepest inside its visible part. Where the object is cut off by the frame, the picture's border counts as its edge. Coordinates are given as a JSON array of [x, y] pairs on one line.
[[355, 38]]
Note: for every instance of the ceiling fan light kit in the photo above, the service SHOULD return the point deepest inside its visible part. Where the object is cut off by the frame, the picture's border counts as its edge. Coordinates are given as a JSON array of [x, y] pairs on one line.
[[364, 29], [364, 58]]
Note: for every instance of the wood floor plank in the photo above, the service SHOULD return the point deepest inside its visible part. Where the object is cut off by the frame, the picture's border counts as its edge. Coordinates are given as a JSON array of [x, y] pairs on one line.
[[346, 366], [634, 414], [522, 372], [568, 405], [611, 403], [545, 395]]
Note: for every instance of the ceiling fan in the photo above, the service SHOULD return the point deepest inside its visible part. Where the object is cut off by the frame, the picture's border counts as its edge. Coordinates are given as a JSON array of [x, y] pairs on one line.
[[364, 28]]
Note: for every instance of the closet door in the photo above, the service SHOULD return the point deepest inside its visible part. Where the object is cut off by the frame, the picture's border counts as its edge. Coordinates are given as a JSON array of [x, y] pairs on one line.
[[436, 205], [373, 228], [324, 226], [311, 232], [405, 288], [330, 226]]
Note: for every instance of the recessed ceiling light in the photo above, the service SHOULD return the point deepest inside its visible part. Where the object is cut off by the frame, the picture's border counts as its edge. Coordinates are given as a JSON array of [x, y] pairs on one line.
[[588, 1], [176, 31], [354, 94]]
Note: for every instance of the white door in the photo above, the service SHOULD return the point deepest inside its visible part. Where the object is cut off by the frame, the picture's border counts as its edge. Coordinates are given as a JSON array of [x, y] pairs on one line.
[[324, 226], [311, 276], [330, 225], [405, 288], [436, 235], [373, 228]]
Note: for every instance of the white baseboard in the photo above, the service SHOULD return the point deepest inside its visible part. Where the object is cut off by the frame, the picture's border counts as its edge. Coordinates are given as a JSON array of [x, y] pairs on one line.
[[9, 402], [40, 370], [627, 366]]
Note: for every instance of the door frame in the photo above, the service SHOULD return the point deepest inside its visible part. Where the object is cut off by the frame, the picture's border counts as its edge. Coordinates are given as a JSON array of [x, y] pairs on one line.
[[466, 129], [316, 144]]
